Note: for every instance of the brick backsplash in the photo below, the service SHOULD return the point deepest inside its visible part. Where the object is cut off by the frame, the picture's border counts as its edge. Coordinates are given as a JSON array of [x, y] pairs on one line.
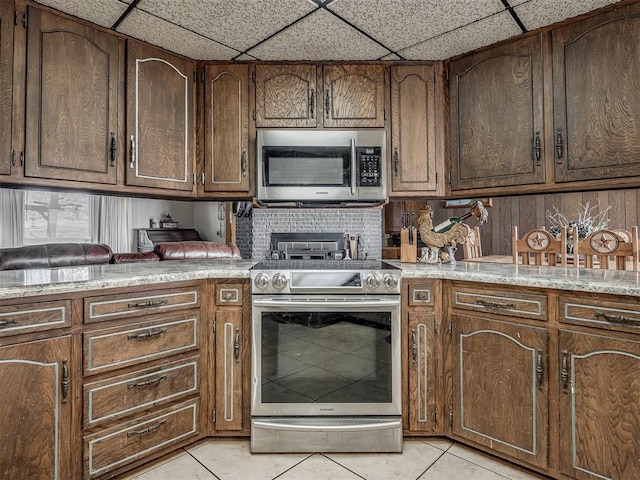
[[253, 233]]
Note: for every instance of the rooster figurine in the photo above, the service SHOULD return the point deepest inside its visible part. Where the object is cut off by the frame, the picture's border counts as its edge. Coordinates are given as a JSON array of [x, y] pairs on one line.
[[442, 243]]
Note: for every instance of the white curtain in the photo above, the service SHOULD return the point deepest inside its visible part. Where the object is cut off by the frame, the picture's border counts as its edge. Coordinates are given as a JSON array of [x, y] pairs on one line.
[[11, 217], [112, 221]]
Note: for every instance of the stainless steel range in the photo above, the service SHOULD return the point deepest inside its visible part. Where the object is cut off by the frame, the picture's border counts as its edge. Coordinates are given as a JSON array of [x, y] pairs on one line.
[[326, 356]]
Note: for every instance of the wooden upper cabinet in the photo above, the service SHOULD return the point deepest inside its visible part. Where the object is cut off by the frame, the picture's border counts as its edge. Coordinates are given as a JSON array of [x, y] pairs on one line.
[[496, 117], [72, 100], [413, 132], [286, 96], [353, 95], [596, 73], [227, 129], [599, 406], [6, 84], [160, 118]]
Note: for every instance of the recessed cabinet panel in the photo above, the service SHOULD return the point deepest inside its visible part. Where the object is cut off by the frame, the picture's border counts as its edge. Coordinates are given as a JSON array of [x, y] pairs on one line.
[[72, 101], [596, 73], [160, 118], [413, 134], [286, 96], [227, 129], [496, 117], [6, 85]]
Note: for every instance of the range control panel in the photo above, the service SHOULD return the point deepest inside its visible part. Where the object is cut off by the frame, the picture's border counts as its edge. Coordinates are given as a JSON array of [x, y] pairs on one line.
[[369, 166]]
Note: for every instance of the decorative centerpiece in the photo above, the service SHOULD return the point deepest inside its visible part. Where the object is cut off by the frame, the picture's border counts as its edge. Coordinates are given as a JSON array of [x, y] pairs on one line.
[[588, 221]]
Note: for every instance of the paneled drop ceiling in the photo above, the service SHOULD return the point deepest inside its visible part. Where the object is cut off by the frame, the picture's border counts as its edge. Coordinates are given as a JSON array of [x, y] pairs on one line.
[[323, 29]]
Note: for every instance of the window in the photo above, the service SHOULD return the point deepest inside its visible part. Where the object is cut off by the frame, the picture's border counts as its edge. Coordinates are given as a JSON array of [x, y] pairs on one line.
[[56, 217]]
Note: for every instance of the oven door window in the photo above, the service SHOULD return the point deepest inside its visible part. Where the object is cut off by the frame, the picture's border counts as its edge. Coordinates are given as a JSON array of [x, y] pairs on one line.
[[326, 357], [307, 166]]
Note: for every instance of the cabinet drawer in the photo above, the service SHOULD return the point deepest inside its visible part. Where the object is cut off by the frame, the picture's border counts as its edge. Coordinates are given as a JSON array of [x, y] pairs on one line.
[[422, 294], [112, 307], [513, 304], [127, 394], [229, 294], [128, 442], [600, 313], [117, 347], [34, 317]]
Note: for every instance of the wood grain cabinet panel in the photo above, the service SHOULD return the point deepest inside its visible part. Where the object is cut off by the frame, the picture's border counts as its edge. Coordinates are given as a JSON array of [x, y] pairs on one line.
[[72, 100], [227, 165], [125, 443], [596, 73], [501, 302], [128, 394], [604, 313], [6, 86], [286, 96], [230, 367], [160, 118], [500, 387], [599, 406], [34, 317], [413, 130], [111, 348], [496, 117], [35, 423]]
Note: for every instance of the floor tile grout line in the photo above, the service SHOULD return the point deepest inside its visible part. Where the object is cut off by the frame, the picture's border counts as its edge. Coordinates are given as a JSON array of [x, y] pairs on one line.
[[295, 465], [203, 465], [432, 463], [338, 463], [481, 466]]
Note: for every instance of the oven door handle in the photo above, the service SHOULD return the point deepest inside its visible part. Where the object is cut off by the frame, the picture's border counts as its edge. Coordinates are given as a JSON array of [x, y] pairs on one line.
[[348, 427], [373, 302], [353, 167]]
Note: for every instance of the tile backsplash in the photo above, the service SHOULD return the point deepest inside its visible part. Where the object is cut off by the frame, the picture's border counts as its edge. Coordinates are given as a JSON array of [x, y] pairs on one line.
[[253, 233]]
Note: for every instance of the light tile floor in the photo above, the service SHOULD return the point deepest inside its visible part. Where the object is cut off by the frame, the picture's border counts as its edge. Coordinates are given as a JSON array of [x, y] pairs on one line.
[[421, 459]]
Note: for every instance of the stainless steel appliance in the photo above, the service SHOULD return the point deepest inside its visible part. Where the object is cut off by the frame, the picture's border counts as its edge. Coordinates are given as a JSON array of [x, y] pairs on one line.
[[307, 246], [307, 167], [326, 361]]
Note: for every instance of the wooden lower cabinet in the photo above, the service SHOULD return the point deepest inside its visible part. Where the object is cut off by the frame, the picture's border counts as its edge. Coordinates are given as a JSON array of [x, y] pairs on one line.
[[35, 419], [599, 406], [500, 391]]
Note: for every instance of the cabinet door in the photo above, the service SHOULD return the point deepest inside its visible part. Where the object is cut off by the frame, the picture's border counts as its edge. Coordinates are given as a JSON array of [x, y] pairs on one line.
[[596, 73], [413, 133], [229, 370], [6, 84], [286, 96], [227, 128], [354, 95], [35, 420], [500, 387], [496, 117], [422, 373], [599, 406], [72, 101], [160, 118]]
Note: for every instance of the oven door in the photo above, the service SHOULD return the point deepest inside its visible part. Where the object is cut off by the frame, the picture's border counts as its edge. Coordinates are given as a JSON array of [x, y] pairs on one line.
[[317, 355]]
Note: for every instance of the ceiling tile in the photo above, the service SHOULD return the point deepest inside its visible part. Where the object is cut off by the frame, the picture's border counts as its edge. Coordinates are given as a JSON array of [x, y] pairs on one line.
[[320, 36], [464, 39], [239, 24], [176, 39], [400, 24], [104, 13], [540, 13]]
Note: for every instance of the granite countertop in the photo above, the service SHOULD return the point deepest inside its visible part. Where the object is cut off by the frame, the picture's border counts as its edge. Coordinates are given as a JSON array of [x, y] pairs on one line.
[[26, 283]]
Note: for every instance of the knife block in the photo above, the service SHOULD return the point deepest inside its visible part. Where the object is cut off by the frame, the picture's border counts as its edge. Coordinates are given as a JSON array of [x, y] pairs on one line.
[[408, 252]]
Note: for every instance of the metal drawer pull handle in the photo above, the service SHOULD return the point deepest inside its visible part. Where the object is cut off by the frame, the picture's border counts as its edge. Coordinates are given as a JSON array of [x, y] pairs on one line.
[[152, 382], [564, 373], [559, 146], [65, 380], [113, 149], [326, 104], [539, 369], [614, 318], [243, 163], [236, 346], [487, 304], [149, 429], [147, 304], [312, 103], [414, 346], [147, 334], [6, 323], [396, 163], [537, 148], [132, 157]]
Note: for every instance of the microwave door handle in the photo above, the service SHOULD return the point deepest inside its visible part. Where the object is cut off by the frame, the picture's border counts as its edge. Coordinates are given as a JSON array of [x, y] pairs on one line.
[[353, 167]]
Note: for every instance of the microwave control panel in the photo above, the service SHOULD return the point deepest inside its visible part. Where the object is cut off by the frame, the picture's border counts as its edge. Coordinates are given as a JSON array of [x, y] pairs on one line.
[[369, 166]]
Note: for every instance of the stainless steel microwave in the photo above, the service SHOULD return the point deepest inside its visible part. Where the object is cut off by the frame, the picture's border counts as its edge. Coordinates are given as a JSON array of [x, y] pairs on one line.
[[298, 167]]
